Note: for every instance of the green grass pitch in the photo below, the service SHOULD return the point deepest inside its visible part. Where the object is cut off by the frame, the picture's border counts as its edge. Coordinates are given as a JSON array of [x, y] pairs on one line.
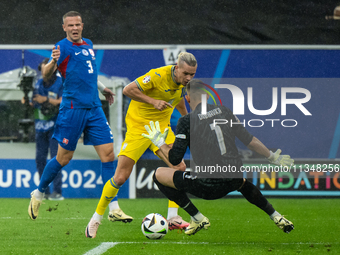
[[237, 227]]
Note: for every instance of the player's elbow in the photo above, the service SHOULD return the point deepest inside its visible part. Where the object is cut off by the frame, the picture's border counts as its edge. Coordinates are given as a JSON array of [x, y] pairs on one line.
[[127, 91], [252, 143]]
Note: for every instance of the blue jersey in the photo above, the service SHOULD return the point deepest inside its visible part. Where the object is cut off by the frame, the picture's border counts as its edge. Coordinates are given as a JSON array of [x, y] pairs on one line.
[[79, 71], [53, 89]]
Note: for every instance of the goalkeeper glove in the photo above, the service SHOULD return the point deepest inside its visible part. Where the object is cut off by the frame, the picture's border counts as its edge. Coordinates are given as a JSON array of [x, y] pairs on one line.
[[155, 135], [277, 159]]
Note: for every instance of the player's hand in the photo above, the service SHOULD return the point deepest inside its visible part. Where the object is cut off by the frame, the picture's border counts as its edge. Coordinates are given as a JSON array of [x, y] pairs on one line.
[[161, 105], [55, 53], [155, 135], [39, 98], [109, 95], [281, 160]]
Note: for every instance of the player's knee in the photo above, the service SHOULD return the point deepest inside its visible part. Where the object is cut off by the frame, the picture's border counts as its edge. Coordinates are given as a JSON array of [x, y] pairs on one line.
[[110, 157], [158, 176], [154, 177], [107, 156], [120, 179], [64, 159]]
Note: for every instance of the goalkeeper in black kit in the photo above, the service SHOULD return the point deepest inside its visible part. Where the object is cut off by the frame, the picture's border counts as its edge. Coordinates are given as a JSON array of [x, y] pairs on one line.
[[216, 144]]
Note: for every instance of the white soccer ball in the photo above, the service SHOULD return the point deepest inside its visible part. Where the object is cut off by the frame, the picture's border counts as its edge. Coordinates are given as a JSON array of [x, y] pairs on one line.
[[154, 226]]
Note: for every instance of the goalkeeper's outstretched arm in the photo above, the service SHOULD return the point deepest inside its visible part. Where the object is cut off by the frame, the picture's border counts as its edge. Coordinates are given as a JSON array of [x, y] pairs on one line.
[[257, 146], [274, 158]]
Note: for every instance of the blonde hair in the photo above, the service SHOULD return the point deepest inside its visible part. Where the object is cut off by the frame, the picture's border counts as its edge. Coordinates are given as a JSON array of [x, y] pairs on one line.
[[187, 58]]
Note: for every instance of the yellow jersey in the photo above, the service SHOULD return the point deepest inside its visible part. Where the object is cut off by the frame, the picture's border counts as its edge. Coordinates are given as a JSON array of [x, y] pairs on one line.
[[159, 84]]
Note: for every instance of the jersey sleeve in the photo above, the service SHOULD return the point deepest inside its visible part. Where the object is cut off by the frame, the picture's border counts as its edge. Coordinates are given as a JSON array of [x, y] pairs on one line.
[[182, 141], [239, 130], [147, 81], [60, 92]]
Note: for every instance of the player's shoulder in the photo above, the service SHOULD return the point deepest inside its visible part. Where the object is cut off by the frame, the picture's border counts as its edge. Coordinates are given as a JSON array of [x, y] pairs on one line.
[[161, 72], [164, 68], [63, 42], [229, 112], [88, 41], [65, 46]]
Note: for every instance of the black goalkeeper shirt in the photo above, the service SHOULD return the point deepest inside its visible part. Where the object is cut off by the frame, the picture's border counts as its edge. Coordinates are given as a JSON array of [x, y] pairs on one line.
[[206, 140]]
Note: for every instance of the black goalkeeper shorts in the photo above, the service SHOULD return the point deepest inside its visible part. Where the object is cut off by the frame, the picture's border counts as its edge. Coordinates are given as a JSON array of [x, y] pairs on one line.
[[208, 189]]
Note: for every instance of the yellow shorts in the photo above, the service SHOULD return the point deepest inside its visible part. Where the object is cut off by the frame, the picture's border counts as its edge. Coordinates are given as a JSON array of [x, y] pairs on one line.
[[135, 144]]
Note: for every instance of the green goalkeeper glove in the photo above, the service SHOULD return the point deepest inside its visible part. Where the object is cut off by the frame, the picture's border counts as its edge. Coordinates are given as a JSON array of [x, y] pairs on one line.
[[277, 159], [155, 135]]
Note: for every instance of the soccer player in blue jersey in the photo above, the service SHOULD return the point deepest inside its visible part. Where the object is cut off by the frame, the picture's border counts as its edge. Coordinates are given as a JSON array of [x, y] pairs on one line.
[[80, 109]]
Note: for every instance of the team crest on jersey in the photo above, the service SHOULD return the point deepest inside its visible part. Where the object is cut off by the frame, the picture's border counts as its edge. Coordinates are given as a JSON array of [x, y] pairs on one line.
[[91, 52], [85, 52], [147, 79]]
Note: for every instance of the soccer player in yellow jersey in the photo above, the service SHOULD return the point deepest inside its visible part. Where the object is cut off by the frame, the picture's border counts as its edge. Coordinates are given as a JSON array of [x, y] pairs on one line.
[[154, 96]]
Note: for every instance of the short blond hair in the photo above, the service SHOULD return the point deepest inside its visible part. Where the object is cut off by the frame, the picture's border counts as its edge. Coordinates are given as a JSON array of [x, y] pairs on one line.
[[187, 58]]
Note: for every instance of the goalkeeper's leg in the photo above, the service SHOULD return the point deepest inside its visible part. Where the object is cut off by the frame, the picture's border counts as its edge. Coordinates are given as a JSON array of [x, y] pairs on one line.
[[254, 196], [167, 187]]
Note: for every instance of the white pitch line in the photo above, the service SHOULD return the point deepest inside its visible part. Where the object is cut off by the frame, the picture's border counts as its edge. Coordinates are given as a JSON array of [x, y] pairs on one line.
[[103, 247], [43, 218]]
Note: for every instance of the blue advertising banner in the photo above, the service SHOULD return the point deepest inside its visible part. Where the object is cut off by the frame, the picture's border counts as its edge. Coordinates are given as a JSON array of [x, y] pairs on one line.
[[320, 66], [292, 105], [81, 179]]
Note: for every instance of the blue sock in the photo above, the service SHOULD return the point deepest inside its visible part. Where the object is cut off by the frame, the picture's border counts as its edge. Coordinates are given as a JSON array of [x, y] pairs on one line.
[[50, 172], [108, 170]]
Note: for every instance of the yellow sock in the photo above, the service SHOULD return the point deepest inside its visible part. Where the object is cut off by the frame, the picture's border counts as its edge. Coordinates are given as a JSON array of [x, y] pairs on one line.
[[110, 190], [173, 204], [172, 209]]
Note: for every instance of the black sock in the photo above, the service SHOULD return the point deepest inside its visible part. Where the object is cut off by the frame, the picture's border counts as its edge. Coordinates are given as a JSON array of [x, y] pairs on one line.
[[179, 197], [191, 209], [254, 196]]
